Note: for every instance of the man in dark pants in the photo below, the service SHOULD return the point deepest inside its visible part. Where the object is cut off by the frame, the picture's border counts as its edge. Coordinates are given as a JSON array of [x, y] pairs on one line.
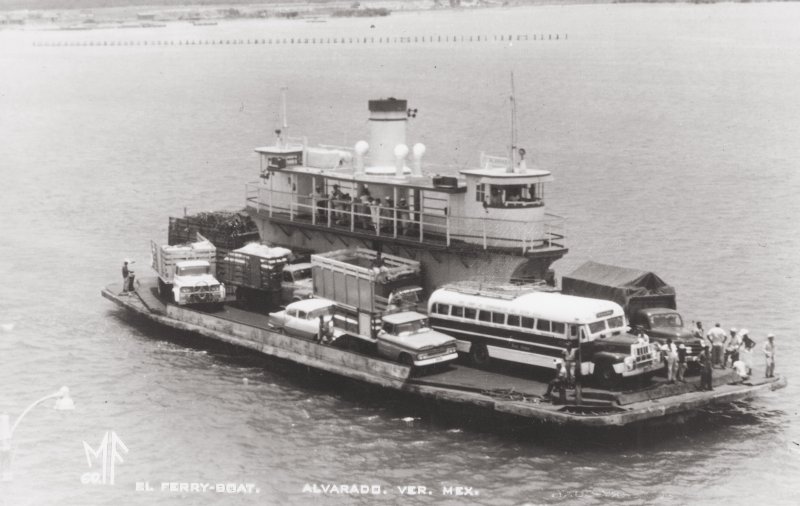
[[125, 273], [559, 383], [707, 368]]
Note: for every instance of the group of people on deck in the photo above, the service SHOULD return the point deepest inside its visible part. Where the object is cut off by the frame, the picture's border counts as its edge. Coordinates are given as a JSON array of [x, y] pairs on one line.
[[733, 348], [368, 212], [720, 350]]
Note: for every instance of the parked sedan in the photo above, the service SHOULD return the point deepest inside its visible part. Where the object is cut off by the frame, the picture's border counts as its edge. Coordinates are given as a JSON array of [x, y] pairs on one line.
[[301, 318]]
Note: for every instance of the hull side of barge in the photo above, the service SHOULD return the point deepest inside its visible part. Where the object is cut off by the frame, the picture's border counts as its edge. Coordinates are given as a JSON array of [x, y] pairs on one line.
[[248, 330]]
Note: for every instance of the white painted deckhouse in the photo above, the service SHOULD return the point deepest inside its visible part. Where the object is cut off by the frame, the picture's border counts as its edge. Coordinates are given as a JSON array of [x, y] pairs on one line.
[[490, 219]]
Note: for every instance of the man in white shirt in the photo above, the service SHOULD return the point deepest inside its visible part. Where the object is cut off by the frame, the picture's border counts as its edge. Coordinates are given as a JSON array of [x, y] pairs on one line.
[[717, 337], [741, 370]]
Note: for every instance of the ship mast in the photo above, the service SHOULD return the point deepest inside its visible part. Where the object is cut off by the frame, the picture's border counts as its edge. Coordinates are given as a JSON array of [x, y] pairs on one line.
[[513, 103], [285, 126]]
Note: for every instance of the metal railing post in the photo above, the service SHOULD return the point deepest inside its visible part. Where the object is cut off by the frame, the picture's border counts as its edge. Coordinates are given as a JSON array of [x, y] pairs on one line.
[[447, 228], [352, 216], [484, 234]]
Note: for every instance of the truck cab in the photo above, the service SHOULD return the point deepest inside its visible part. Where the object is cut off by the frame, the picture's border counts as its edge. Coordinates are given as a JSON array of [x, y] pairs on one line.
[[661, 323], [407, 338], [407, 297], [193, 283], [296, 282]]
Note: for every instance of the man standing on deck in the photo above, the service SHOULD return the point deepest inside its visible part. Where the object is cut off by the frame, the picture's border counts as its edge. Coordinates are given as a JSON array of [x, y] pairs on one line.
[[672, 360], [681, 363], [769, 354], [558, 383], [706, 368], [717, 338], [125, 272]]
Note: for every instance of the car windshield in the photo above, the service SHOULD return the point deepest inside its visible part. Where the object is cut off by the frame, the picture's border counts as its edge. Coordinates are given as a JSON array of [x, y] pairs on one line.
[[301, 274], [197, 270], [325, 311], [666, 320], [411, 327]]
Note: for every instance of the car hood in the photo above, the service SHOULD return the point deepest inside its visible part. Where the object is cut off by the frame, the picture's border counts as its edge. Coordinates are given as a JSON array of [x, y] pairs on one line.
[[671, 332], [621, 339], [201, 279], [419, 341]]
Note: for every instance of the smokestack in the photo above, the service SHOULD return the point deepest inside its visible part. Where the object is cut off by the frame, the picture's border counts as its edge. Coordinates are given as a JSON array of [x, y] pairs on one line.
[[387, 126]]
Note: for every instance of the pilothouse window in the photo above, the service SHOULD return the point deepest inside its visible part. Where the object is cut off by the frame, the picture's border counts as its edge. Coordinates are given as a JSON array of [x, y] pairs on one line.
[[516, 195]]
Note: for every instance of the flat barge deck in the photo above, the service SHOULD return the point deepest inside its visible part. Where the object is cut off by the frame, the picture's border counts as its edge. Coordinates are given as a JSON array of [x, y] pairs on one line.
[[510, 392]]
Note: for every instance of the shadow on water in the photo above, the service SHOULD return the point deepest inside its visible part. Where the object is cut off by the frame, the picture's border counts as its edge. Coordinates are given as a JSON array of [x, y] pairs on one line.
[[717, 421]]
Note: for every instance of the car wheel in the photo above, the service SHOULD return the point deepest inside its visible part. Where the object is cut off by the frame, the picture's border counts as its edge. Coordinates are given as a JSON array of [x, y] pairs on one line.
[[406, 359], [479, 354]]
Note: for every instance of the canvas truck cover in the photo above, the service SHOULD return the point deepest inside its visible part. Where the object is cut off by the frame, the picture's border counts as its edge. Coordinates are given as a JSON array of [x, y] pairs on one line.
[[630, 288]]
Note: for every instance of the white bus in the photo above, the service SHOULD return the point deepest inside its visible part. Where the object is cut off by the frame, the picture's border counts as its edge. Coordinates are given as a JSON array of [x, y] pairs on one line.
[[535, 327]]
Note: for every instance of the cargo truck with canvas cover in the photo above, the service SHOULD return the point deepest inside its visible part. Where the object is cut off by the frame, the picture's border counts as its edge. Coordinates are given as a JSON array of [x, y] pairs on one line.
[[256, 272], [186, 272], [374, 294], [648, 301]]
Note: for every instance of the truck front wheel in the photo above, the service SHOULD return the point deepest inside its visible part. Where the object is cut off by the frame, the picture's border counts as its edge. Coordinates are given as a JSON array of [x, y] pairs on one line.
[[606, 376]]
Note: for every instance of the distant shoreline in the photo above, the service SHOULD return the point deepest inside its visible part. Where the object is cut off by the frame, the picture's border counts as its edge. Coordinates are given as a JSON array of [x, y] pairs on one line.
[[88, 14]]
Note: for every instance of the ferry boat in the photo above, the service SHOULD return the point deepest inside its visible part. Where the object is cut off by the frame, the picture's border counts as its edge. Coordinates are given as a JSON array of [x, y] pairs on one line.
[[490, 218]]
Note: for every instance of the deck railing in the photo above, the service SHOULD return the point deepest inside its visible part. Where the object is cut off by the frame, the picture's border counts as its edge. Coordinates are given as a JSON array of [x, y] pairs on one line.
[[433, 227]]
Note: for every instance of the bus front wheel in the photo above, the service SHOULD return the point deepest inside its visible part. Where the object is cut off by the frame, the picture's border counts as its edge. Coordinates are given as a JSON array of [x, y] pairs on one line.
[[479, 354]]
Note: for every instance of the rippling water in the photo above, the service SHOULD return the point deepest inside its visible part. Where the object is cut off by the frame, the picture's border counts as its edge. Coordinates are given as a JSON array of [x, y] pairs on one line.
[[672, 133]]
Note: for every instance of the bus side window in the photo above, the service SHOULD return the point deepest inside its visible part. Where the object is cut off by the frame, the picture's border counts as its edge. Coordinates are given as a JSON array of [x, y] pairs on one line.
[[442, 309], [543, 325], [558, 328], [485, 316], [457, 311], [527, 322], [470, 313], [513, 320], [573, 331], [499, 318]]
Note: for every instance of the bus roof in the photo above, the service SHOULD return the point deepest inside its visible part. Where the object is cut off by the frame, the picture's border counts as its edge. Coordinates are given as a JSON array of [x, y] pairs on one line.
[[546, 305]]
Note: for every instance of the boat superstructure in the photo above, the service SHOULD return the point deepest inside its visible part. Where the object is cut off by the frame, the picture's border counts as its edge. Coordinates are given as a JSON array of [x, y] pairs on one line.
[[488, 220]]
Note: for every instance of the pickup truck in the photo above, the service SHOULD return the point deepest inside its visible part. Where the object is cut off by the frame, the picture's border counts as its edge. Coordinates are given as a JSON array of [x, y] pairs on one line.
[[296, 282], [407, 338]]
